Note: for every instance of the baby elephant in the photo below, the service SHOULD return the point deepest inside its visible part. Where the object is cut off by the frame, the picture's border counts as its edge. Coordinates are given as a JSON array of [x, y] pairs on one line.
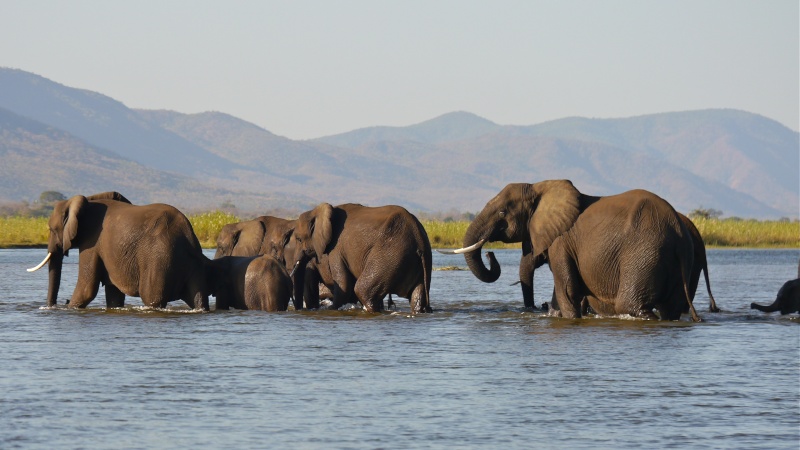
[[251, 282], [788, 300]]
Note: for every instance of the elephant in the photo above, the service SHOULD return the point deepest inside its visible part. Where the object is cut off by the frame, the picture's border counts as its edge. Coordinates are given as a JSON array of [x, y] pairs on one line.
[[365, 253], [626, 254], [700, 264], [250, 282], [264, 235], [267, 235], [528, 264], [149, 251], [788, 299]]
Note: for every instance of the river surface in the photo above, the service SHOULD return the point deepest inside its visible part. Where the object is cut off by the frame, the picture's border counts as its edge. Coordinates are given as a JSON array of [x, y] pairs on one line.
[[480, 372]]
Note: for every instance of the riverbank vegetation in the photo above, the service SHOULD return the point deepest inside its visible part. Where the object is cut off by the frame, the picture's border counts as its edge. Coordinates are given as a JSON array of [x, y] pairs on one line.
[[18, 231]]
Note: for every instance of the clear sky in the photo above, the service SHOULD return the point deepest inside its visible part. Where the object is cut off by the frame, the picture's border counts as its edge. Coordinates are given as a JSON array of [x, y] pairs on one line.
[[304, 69]]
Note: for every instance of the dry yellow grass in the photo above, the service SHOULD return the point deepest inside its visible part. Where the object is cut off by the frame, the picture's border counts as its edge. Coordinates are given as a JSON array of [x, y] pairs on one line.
[[32, 231], [23, 231], [748, 233]]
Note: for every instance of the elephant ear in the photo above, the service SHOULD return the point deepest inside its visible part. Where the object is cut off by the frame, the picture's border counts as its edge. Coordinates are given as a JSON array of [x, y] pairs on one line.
[[111, 195], [556, 206], [237, 232], [74, 207], [321, 228], [287, 236]]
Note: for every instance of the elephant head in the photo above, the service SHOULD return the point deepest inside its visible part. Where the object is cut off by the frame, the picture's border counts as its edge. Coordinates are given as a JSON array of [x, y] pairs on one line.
[[536, 213], [65, 234], [313, 232], [240, 239]]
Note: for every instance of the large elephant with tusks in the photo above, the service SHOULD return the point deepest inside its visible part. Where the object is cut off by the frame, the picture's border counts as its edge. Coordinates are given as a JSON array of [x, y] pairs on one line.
[[149, 251], [625, 254]]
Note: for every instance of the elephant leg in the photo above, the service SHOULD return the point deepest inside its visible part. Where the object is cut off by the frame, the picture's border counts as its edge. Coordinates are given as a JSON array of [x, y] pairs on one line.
[[114, 297], [88, 282], [369, 293], [342, 290], [418, 300], [526, 269], [310, 290], [566, 285]]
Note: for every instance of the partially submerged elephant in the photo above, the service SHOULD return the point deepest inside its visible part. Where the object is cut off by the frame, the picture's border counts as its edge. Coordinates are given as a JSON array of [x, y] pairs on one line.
[[529, 263], [365, 253], [626, 254], [148, 251], [250, 282], [268, 235], [787, 300]]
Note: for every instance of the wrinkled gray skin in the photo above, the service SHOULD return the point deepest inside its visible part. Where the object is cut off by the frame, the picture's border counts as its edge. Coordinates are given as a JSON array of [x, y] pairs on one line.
[[699, 266], [364, 254], [147, 251], [267, 235], [626, 254], [788, 299], [250, 282]]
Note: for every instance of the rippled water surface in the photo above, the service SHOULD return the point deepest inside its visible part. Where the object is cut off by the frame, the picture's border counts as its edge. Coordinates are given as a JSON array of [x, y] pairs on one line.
[[480, 372]]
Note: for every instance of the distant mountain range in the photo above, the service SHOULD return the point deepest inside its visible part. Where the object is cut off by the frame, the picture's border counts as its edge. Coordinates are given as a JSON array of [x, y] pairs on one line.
[[53, 137]]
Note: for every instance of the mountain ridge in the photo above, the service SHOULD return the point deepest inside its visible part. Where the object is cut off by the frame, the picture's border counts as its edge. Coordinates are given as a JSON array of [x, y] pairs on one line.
[[741, 163]]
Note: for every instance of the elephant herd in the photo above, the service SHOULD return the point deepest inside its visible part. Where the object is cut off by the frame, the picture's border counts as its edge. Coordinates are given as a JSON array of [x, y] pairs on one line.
[[627, 254]]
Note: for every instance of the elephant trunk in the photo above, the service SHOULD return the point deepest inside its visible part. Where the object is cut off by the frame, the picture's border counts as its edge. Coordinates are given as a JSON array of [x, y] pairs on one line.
[[770, 308], [297, 276], [54, 275], [474, 234]]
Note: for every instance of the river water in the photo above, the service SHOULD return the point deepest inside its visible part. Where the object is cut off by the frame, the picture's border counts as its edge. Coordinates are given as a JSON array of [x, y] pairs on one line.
[[480, 372]]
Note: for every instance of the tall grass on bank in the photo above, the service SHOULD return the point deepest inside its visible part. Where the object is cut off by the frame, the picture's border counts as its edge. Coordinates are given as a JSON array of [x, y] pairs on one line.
[[748, 233], [23, 231], [32, 231], [208, 225]]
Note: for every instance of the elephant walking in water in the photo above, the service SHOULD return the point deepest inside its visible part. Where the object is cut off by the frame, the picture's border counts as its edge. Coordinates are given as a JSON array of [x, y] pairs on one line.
[[251, 282], [364, 253], [267, 235], [788, 299], [626, 254], [148, 251], [529, 263]]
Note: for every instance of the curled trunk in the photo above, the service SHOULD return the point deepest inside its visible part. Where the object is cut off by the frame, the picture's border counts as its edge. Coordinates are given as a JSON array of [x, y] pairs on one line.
[[473, 235], [766, 308]]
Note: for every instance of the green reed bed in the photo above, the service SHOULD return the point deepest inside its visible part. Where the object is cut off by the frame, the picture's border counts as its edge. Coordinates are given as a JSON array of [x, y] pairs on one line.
[[208, 225], [23, 231], [749, 233], [32, 232]]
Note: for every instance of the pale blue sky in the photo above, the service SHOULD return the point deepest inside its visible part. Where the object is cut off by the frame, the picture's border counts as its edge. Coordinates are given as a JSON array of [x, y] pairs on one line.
[[305, 69]]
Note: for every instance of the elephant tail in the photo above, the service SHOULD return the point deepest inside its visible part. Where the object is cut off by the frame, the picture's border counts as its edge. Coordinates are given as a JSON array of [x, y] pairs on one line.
[[684, 281], [712, 304], [426, 282]]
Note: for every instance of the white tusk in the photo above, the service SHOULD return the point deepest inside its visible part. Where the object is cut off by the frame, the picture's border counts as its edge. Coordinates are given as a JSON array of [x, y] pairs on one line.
[[459, 251], [296, 265], [41, 264]]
